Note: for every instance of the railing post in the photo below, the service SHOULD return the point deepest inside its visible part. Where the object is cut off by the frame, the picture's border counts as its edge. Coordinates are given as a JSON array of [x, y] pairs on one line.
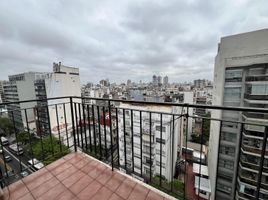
[[185, 152], [239, 156], [111, 135], [72, 113], [262, 161]]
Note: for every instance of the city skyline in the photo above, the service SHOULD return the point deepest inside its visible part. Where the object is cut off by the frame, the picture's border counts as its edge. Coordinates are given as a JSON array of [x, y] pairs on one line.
[[111, 41]]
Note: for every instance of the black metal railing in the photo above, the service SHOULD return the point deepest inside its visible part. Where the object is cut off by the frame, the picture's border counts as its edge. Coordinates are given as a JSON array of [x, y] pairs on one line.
[[148, 140]]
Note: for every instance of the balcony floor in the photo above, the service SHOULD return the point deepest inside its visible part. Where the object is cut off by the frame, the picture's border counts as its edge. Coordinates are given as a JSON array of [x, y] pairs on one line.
[[77, 176]]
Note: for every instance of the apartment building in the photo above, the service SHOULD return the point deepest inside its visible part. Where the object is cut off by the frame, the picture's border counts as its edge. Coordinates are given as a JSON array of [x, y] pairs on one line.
[[2, 97], [240, 79], [63, 81], [162, 143], [21, 87]]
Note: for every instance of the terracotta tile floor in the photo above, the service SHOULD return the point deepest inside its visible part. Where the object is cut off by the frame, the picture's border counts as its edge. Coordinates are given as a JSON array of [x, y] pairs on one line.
[[79, 177]]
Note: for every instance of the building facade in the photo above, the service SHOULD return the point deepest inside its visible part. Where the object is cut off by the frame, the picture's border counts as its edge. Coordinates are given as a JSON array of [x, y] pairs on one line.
[[240, 79], [165, 141]]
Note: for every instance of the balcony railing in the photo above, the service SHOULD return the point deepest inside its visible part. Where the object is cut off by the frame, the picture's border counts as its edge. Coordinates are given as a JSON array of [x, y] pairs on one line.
[[99, 130]]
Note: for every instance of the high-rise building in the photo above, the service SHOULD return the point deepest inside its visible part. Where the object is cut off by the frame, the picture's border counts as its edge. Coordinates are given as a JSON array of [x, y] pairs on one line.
[[154, 81], [159, 80], [21, 87], [240, 79], [200, 83], [63, 81], [165, 81], [2, 97]]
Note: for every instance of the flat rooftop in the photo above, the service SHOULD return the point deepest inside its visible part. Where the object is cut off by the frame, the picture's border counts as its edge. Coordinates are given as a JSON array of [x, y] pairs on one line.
[[78, 176]]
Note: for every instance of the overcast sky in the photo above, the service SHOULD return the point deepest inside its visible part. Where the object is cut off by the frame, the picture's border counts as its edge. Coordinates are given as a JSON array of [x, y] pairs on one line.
[[122, 39]]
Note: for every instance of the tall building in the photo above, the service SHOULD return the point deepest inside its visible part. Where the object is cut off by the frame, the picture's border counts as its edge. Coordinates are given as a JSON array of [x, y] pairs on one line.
[[240, 79], [200, 83], [2, 97], [159, 80], [21, 87], [154, 81], [63, 81], [164, 143], [165, 81]]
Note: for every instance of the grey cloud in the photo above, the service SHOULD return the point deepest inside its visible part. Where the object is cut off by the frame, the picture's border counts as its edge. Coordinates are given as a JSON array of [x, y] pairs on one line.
[[126, 39]]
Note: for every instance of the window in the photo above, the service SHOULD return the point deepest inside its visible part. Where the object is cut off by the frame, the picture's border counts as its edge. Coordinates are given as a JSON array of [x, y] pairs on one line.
[[230, 151], [160, 141], [158, 128], [231, 137], [232, 94], [226, 164], [233, 75], [260, 89]]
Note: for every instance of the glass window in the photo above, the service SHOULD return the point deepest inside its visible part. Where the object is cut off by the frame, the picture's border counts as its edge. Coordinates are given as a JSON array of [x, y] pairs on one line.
[[233, 75], [260, 89], [232, 94], [158, 128]]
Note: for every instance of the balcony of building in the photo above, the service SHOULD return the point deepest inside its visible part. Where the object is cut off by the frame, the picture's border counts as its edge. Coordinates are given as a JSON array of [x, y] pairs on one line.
[[88, 155]]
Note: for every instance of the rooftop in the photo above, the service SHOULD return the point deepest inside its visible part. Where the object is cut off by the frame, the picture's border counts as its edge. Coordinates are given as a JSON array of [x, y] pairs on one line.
[[78, 176]]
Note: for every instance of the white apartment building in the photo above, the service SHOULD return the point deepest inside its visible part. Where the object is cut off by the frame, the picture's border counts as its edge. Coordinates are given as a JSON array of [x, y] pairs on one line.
[[166, 143], [240, 79], [63, 81]]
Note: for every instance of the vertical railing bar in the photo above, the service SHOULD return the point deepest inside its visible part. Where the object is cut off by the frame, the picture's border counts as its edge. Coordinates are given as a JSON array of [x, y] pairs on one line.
[[73, 125], [77, 124], [16, 135], [89, 128], [201, 150], [85, 126], [80, 125], [150, 132], [58, 126], [5, 163], [218, 158], [94, 130], [111, 135], [125, 148], [29, 134], [161, 137], [239, 152], [172, 151], [132, 140], [41, 136], [117, 137], [105, 138], [262, 161], [50, 134], [66, 128], [141, 140], [99, 131], [185, 152]]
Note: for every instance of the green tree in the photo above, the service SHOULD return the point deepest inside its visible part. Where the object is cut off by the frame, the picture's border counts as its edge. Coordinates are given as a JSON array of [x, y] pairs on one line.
[[48, 149], [5, 125], [23, 137]]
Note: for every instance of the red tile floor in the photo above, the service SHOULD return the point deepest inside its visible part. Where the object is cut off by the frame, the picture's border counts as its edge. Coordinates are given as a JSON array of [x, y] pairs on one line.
[[77, 176]]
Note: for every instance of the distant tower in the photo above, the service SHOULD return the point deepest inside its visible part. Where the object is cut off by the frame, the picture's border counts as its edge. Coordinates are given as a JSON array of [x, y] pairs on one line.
[[165, 81], [159, 80], [154, 80]]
